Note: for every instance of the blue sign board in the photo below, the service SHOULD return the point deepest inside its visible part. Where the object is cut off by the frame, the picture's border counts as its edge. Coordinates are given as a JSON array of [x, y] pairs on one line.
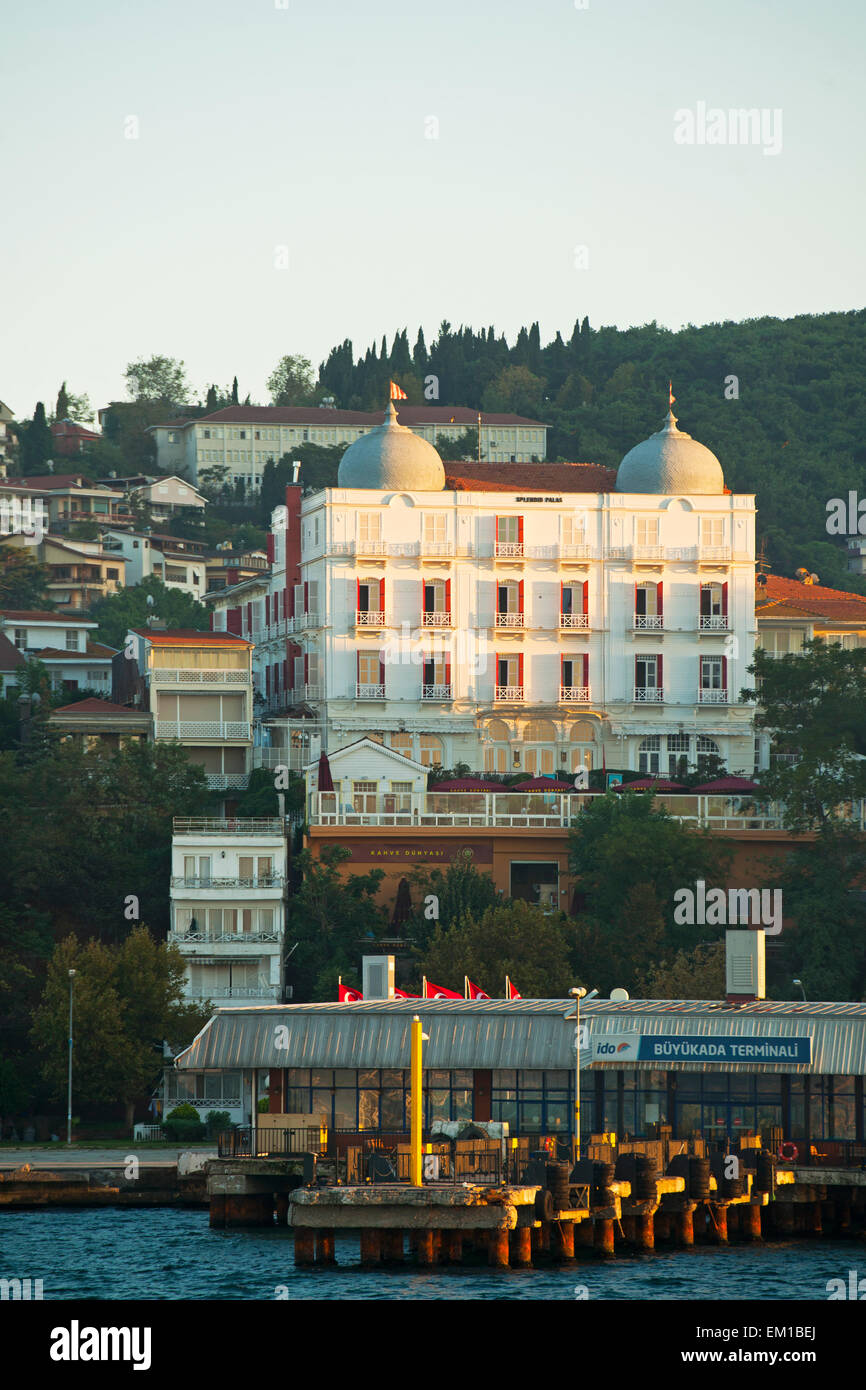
[[704, 1048]]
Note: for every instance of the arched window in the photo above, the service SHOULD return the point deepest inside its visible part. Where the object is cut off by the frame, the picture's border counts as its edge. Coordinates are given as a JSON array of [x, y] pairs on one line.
[[402, 743]]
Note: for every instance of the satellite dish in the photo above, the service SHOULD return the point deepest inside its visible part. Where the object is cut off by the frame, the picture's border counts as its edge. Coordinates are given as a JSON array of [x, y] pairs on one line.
[[619, 996]]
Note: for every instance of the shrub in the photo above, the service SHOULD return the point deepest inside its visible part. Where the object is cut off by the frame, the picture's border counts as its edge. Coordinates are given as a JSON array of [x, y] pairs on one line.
[[182, 1125], [216, 1121]]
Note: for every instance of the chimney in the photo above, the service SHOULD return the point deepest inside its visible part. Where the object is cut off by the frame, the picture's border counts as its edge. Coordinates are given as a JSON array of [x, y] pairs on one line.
[[378, 977], [745, 966]]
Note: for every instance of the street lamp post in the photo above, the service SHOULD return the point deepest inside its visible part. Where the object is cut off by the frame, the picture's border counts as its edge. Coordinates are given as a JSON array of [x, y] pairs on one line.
[[69, 1073], [802, 990], [577, 994]]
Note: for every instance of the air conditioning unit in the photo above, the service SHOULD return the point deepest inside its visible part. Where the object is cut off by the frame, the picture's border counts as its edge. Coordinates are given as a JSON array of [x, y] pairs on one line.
[[745, 965], [378, 977]]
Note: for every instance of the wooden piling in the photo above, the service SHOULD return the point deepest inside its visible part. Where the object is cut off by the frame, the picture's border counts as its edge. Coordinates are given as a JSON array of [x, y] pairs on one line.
[[392, 1247], [425, 1247], [325, 1253], [497, 1249], [305, 1247], [454, 1246], [684, 1227], [217, 1217], [645, 1231], [814, 1223], [563, 1240], [371, 1246], [750, 1221], [603, 1237], [718, 1224], [249, 1209], [521, 1247], [662, 1225]]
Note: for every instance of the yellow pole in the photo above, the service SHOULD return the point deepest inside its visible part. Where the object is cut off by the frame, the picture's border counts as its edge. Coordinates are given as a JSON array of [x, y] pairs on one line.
[[415, 1123]]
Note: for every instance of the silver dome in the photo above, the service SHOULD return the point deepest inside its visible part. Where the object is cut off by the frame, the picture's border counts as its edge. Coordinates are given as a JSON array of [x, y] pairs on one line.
[[670, 461], [392, 458]]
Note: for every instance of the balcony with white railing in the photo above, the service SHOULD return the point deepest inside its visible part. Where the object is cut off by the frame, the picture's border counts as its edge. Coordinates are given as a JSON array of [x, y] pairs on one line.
[[574, 622], [649, 695], [369, 692], [508, 550], [574, 694], [648, 622], [712, 697], [437, 550], [203, 728], [187, 675], [647, 552], [438, 619], [581, 551], [370, 618], [436, 692], [713, 622], [223, 938], [213, 825], [268, 994], [506, 693], [227, 781], [306, 621], [509, 620], [714, 554], [312, 692], [260, 881], [370, 550]]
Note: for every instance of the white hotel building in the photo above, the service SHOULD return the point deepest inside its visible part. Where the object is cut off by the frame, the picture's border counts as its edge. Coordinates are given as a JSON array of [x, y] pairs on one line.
[[581, 616]]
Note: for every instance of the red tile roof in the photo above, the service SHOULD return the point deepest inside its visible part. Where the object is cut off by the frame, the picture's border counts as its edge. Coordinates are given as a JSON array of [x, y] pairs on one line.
[[314, 416], [10, 657], [183, 635], [51, 481], [789, 598], [94, 706], [529, 478], [95, 650], [36, 615]]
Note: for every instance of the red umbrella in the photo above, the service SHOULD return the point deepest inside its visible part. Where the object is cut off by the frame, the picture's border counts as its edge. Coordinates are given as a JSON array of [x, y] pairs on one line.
[[727, 784], [467, 784], [541, 784], [651, 784], [326, 781]]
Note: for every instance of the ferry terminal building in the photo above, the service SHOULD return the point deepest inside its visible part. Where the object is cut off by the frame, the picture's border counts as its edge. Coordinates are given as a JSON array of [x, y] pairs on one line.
[[717, 1068]]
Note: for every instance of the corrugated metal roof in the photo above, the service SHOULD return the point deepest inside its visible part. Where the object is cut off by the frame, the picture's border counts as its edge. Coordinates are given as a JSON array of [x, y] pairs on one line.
[[506, 1034]]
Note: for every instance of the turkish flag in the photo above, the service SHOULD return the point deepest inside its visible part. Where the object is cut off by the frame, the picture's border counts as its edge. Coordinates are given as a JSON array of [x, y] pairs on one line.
[[512, 992], [435, 992], [401, 994], [349, 996], [475, 991]]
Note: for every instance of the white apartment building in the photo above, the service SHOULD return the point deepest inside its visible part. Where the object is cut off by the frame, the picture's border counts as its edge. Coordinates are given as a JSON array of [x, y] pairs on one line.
[[198, 686], [179, 564], [241, 439], [63, 644], [228, 887]]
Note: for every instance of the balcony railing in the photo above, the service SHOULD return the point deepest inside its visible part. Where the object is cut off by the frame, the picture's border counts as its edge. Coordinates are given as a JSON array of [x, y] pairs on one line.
[[509, 692], [573, 621], [369, 692], [574, 694], [648, 552], [263, 992], [509, 620], [371, 548], [306, 620], [312, 692], [508, 550], [202, 728], [714, 622], [435, 550], [714, 552], [648, 622], [182, 675], [649, 695], [227, 781], [576, 552], [262, 881], [369, 618], [436, 692], [436, 619], [212, 825], [712, 697], [222, 937]]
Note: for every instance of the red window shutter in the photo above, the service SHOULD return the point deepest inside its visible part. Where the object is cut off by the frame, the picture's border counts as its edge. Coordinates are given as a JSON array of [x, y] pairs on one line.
[[423, 597], [660, 598], [357, 595], [520, 597], [448, 596], [661, 679], [520, 669], [586, 595], [270, 540], [267, 609], [725, 598], [233, 621], [357, 667], [635, 598], [724, 673], [561, 598], [520, 530], [586, 668], [381, 669], [306, 597], [267, 680], [497, 529], [285, 674], [448, 670], [306, 669], [249, 617], [381, 596]]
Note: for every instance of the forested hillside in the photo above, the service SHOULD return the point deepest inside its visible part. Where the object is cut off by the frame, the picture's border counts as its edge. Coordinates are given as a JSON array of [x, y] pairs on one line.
[[791, 428]]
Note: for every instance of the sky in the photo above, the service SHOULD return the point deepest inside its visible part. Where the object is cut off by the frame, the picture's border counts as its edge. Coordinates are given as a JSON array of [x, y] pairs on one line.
[[227, 182]]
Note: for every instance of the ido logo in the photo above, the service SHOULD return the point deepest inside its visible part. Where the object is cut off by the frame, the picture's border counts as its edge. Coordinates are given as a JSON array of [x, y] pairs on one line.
[[610, 1049]]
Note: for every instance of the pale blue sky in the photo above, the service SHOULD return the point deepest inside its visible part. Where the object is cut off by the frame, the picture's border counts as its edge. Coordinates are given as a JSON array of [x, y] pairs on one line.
[[305, 127]]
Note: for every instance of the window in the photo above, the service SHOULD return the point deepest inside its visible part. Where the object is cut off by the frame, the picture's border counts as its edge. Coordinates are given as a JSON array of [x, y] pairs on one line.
[[509, 530], [72, 641], [21, 638], [712, 530], [712, 673], [369, 526], [431, 750], [646, 672], [435, 527], [369, 666], [96, 677], [207, 434], [574, 529], [647, 530], [364, 797], [402, 743], [679, 746], [112, 574], [243, 434], [648, 755]]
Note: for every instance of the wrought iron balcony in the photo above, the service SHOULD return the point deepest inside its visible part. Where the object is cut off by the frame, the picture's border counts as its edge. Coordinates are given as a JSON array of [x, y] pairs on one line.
[[509, 692], [712, 697], [574, 694], [369, 692], [436, 692], [509, 620], [648, 622], [649, 695], [573, 621], [714, 622], [370, 618], [439, 619]]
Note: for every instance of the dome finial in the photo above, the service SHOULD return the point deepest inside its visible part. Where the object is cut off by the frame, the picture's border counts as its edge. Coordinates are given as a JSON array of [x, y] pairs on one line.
[[670, 418], [390, 414]]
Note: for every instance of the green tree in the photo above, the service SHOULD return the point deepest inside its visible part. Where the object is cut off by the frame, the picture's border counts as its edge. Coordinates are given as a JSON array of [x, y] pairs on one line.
[[516, 390], [23, 580], [36, 445], [72, 407], [127, 1000], [330, 917], [463, 448], [515, 939], [292, 382], [695, 974], [461, 890], [129, 608], [813, 702], [821, 885], [159, 379]]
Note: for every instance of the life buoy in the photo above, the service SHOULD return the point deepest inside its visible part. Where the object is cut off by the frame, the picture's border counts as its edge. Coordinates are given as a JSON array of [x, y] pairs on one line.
[[788, 1152]]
